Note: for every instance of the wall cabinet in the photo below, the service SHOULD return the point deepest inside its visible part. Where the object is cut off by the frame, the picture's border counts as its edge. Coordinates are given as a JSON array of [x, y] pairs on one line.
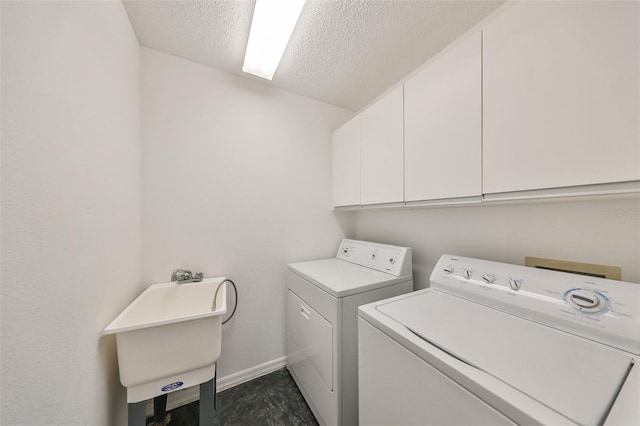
[[345, 157], [382, 150], [443, 126], [561, 84], [545, 102]]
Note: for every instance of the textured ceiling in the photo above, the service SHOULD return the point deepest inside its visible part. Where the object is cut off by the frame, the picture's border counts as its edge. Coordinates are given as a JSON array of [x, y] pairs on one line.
[[342, 52]]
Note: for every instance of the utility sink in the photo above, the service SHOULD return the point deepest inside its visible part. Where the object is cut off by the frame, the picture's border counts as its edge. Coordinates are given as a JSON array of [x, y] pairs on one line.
[[169, 337]]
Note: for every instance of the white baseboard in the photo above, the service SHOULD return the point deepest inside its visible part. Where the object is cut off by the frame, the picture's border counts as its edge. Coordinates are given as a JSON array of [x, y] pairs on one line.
[[186, 396], [240, 377]]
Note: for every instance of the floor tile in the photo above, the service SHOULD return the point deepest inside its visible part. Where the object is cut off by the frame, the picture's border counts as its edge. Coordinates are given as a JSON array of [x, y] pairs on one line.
[[273, 399]]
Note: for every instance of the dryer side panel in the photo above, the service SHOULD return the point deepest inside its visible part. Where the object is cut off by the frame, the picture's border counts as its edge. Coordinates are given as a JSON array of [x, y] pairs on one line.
[[350, 306]]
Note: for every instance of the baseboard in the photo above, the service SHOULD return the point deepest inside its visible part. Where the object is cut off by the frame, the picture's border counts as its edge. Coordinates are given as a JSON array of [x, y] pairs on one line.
[[186, 396], [240, 377]]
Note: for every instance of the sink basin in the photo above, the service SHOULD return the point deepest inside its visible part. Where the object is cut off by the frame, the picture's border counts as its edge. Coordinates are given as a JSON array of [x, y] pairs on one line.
[[169, 337]]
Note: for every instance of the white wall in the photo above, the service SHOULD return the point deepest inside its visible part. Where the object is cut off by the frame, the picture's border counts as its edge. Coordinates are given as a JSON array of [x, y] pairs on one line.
[[236, 182], [70, 208], [598, 231]]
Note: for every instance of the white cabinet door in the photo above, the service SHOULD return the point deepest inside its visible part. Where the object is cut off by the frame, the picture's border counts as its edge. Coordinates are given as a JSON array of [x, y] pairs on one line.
[[382, 151], [443, 126], [561, 95], [346, 164]]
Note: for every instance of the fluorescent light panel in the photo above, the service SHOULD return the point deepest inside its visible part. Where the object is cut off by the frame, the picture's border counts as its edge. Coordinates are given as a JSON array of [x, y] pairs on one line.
[[272, 25]]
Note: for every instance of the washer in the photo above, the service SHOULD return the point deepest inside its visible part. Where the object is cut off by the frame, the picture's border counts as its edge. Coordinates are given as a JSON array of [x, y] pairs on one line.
[[322, 302], [493, 343]]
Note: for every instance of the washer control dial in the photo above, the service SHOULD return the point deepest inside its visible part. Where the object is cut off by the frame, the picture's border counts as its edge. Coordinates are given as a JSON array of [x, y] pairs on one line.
[[489, 278], [515, 284], [468, 273], [586, 300], [448, 269]]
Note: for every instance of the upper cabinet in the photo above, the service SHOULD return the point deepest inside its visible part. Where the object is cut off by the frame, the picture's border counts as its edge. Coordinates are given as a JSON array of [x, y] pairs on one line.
[[544, 102], [346, 164], [443, 126], [382, 151], [561, 95]]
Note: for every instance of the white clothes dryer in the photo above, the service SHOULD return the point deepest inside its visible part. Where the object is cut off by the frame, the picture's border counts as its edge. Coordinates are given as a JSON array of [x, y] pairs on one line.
[[323, 297], [492, 343]]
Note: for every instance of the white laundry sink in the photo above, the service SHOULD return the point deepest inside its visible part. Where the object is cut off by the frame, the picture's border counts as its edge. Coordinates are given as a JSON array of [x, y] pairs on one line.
[[169, 337]]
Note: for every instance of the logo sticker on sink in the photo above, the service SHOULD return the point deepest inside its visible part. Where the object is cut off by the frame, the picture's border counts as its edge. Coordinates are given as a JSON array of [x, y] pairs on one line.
[[172, 386]]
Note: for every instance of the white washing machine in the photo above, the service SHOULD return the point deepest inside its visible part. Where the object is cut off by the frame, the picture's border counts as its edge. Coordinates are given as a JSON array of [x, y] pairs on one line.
[[492, 343], [322, 318]]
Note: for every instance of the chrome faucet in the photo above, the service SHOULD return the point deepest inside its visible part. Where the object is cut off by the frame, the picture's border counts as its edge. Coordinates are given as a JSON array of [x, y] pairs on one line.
[[185, 276]]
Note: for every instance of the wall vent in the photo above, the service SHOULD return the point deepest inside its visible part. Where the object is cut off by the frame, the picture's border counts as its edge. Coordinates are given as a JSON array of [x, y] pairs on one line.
[[590, 269]]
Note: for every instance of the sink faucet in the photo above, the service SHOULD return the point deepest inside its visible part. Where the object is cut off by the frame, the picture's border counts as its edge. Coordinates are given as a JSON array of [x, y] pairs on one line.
[[185, 276]]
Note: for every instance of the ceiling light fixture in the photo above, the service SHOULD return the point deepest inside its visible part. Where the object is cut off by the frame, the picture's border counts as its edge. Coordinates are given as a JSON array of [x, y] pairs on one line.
[[271, 27]]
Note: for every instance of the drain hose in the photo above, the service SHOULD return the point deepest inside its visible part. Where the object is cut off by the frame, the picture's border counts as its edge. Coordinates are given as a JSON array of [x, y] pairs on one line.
[[215, 297]]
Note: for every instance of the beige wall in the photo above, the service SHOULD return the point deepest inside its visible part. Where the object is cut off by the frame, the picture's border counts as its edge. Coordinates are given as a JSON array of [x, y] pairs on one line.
[[605, 231], [236, 182], [70, 208]]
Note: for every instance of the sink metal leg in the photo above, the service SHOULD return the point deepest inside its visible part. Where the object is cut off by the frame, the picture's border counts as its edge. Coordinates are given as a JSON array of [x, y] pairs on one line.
[[207, 403], [215, 389], [137, 413], [159, 408]]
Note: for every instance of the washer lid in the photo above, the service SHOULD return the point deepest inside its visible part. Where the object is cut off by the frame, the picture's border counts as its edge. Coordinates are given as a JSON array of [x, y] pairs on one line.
[[340, 278], [573, 376]]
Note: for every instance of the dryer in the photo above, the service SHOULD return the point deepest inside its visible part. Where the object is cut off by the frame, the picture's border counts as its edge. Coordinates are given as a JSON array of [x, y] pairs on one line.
[[323, 297], [493, 343]]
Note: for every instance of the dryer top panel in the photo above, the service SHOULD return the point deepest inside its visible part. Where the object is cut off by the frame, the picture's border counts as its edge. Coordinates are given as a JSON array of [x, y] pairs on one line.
[[340, 278]]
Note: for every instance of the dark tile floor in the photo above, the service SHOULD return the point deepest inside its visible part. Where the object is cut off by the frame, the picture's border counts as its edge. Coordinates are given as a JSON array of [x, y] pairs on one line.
[[273, 399]]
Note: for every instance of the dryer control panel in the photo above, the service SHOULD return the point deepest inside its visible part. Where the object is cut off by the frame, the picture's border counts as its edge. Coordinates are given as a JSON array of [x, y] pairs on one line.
[[606, 311], [394, 260]]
